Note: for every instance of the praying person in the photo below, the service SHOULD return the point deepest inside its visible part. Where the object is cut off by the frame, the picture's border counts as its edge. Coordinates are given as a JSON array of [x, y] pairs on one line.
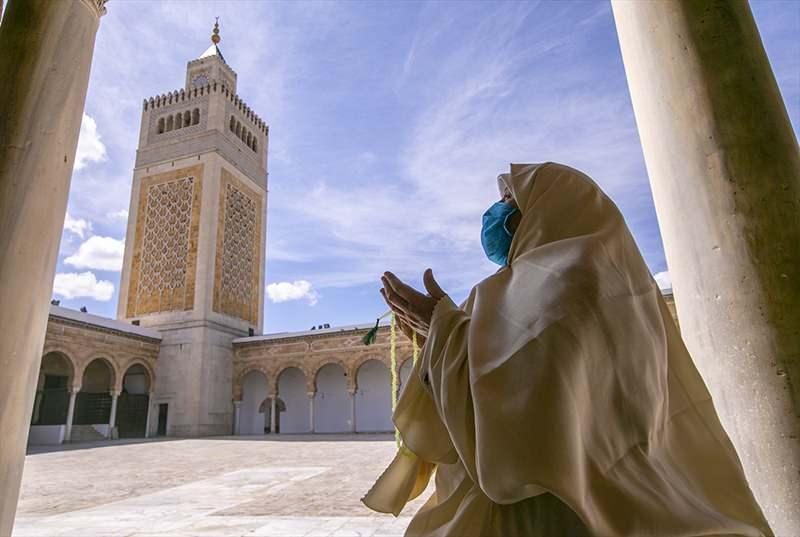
[[559, 399]]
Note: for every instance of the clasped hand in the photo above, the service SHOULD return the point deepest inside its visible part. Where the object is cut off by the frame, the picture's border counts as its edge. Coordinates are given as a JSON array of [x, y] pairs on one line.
[[413, 310]]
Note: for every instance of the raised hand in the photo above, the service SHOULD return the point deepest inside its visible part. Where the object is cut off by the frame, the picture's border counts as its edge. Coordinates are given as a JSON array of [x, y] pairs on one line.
[[413, 310]]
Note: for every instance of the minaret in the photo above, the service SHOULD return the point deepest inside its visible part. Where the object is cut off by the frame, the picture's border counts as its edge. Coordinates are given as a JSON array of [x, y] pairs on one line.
[[195, 245]]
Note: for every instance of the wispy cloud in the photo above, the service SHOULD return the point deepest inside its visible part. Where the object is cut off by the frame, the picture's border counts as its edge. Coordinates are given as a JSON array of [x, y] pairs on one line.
[[121, 214], [497, 97]]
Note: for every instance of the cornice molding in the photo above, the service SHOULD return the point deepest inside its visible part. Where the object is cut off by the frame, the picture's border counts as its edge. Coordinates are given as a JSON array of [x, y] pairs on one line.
[[101, 329]]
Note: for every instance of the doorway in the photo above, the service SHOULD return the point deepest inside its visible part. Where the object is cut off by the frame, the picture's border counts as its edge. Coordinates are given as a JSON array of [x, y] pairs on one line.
[[162, 419]]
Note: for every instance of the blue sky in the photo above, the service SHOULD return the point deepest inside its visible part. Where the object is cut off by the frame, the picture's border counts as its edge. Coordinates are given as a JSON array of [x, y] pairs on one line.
[[389, 122]]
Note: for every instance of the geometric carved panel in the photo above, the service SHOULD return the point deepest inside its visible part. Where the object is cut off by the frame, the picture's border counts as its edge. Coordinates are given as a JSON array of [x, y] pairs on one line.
[[165, 247], [237, 277]]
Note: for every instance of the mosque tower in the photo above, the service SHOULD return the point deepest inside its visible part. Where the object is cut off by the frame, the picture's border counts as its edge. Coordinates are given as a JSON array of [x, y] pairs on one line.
[[195, 243]]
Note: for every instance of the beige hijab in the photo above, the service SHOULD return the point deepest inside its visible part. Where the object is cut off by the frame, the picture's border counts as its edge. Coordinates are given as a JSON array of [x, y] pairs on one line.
[[564, 373]]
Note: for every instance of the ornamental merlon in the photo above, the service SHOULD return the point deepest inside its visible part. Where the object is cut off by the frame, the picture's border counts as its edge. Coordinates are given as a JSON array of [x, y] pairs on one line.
[[187, 96]]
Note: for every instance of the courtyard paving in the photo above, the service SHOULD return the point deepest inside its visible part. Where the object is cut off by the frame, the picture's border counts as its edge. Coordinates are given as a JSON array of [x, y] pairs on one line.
[[284, 486]]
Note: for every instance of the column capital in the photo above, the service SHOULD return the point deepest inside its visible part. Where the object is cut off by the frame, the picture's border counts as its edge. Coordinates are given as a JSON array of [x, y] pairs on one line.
[[115, 393], [75, 388], [98, 7], [237, 403], [311, 395]]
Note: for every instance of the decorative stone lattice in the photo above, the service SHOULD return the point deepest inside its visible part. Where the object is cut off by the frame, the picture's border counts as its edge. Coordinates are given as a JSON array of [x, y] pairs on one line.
[[237, 265], [165, 248], [166, 236]]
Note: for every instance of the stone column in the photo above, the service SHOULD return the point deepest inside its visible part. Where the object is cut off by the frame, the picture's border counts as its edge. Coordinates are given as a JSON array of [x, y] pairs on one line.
[[149, 413], [73, 394], [273, 408], [113, 417], [724, 168], [352, 409], [44, 72], [237, 412], [311, 424], [37, 406]]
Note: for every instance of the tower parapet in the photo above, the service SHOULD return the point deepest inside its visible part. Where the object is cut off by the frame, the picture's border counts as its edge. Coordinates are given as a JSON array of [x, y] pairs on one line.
[[206, 117], [182, 95]]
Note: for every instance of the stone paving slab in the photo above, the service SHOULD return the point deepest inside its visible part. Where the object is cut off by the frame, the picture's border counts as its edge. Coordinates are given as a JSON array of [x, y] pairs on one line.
[[284, 486]]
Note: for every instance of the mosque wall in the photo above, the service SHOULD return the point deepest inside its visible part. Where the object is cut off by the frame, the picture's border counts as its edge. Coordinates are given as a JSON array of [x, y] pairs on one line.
[[348, 384], [324, 381]]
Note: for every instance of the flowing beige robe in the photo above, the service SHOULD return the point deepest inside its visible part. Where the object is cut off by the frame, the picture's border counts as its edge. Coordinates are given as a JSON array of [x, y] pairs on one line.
[[563, 381]]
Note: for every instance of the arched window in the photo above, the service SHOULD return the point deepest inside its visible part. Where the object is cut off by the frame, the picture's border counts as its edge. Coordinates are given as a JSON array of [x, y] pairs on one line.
[[178, 120], [238, 129], [195, 116], [249, 139], [233, 124], [187, 118], [255, 145], [160, 125], [169, 123]]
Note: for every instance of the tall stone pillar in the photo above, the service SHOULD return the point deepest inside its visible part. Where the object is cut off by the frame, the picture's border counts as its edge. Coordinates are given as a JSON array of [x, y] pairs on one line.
[[311, 425], [112, 419], [237, 420], [73, 393], [44, 73], [724, 168], [352, 393], [149, 413], [273, 409]]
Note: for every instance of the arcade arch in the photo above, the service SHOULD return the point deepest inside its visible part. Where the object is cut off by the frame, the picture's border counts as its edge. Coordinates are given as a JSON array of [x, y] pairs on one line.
[[292, 391], [373, 397], [332, 406], [56, 377], [93, 403], [133, 402], [254, 415]]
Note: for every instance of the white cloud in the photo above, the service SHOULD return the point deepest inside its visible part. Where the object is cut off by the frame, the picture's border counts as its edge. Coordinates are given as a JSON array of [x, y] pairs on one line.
[[80, 285], [663, 280], [101, 253], [122, 214], [90, 147], [286, 291], [78, 226]]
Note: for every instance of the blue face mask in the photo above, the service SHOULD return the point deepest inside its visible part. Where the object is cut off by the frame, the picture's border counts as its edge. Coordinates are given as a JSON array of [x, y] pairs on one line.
[[495, 236]]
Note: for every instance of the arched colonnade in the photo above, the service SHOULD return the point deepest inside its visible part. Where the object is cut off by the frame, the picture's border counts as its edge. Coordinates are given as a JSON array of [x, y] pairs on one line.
[[330, 398], [81, 398]]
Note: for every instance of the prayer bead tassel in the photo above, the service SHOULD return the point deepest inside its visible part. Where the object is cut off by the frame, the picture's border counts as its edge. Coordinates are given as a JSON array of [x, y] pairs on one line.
[[393, 364]]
